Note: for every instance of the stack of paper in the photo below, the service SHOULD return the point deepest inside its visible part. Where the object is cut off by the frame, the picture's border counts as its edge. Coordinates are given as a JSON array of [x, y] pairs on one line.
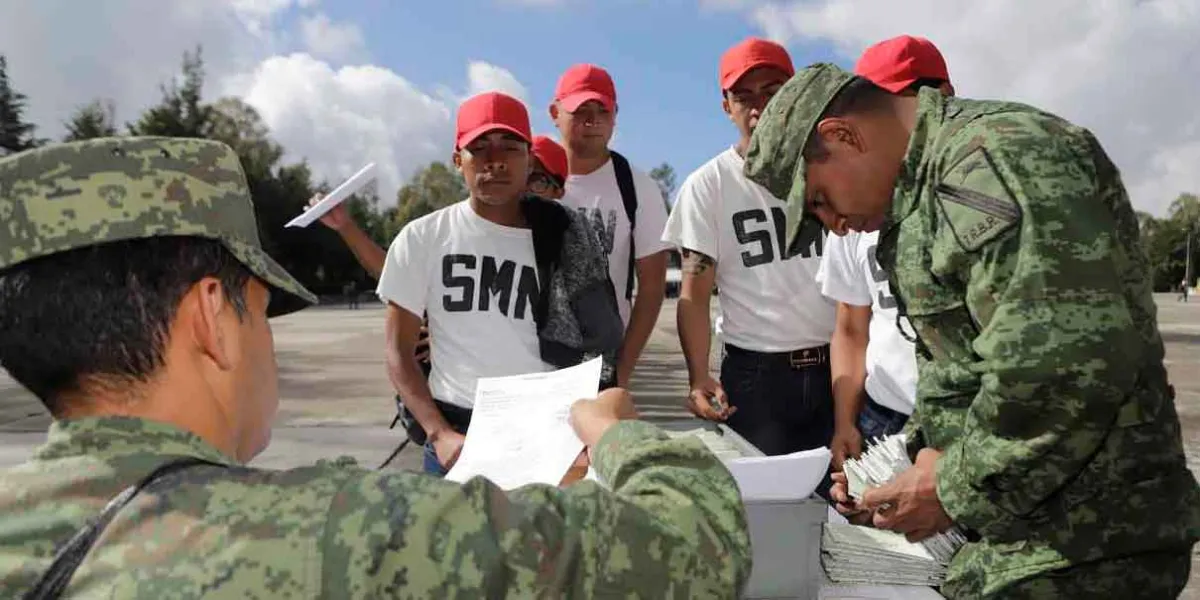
[[882, 462], [855, 554]]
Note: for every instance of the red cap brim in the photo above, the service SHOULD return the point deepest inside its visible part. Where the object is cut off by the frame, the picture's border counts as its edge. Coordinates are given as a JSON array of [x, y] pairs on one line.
[[572, 102], [476, 133], [734, 76]]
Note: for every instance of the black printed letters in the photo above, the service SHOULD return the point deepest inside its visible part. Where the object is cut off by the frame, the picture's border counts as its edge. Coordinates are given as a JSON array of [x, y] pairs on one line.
[[496, 282], [753, 230], [880, 276]]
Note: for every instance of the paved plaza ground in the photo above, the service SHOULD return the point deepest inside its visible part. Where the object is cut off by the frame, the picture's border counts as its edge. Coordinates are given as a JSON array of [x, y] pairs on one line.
[[336, 398]]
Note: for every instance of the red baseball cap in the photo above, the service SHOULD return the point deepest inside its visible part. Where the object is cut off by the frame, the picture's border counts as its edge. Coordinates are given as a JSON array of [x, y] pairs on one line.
[[552, 156], [750, 53], [582, 83], [896, 63], [491, 111]]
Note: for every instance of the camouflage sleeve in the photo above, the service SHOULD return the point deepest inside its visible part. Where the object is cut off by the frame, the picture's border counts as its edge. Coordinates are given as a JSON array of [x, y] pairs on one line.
[[1040, 257], [673, 526]]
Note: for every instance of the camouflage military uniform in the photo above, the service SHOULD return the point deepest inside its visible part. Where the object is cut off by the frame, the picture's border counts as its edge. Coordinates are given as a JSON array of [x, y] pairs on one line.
[[1013, 251], [672, 525]]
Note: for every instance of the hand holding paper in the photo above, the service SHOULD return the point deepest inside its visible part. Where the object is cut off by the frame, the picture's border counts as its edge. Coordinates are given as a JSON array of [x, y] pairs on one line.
[[519, 432], [336, 197]]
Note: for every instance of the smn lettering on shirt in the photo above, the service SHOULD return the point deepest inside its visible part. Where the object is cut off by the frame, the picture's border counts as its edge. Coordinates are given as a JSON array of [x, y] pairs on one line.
[[754, 232], [481, 283]]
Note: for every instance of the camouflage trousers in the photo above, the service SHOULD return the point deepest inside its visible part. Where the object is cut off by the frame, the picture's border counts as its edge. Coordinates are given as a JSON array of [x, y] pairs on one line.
[[1156, 576]]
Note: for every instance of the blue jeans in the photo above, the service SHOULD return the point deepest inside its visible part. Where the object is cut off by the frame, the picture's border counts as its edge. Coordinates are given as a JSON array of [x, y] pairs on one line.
[[430, 464], [780, 408], [878, 421]]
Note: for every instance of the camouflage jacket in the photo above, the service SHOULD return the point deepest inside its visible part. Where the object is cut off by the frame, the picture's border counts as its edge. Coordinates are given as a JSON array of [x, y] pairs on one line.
[[673, 526], [1014, 253]]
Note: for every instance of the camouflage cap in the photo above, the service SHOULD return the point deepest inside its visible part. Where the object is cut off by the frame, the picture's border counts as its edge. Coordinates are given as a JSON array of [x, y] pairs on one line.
[[79, 194], [774, 159]]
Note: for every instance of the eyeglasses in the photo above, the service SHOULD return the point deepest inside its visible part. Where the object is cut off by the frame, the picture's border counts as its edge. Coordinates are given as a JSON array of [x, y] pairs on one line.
[[541, 182]]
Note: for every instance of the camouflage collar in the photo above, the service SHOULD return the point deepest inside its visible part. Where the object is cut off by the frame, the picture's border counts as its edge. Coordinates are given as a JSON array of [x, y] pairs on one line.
[[117, 437], [931, 112]]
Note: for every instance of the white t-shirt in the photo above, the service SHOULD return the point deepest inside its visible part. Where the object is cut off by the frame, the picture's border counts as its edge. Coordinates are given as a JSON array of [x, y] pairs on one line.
[[769, 303], [851, 274], [597, 197], [478, 282]]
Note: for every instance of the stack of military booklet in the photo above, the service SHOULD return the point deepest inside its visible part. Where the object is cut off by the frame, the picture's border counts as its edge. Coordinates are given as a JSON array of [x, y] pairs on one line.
[[882, 462], [855, 554]]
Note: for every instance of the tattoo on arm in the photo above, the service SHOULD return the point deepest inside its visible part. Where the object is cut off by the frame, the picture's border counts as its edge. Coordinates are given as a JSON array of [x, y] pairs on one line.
[[696, 263]]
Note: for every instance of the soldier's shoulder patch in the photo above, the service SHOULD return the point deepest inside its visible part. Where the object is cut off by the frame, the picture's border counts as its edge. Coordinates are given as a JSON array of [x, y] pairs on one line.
[[975, 202]]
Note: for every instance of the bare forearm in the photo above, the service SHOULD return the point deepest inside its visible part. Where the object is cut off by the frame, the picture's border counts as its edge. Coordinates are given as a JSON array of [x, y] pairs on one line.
[[652, 274], [365, 250], [848, 350], [695, 335], [692, 315], [641, 324], [409, 381]]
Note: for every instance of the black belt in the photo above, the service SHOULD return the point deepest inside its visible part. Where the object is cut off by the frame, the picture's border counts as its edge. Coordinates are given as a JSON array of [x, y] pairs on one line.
[[796, 359]]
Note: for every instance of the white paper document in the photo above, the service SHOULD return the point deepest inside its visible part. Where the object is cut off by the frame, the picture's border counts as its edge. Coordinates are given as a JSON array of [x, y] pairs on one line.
[[336, 197], [785, 477], [519, 432]]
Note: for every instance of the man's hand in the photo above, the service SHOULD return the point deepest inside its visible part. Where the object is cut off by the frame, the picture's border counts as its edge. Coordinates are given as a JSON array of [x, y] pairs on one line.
[[909, 504], [708, 400], [846, 443], [448, 444], [591, 418], [845, 505], [335, 219]]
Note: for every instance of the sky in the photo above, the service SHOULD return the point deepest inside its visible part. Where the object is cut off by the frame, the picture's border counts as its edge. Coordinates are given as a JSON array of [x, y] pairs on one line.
[[344, 83]]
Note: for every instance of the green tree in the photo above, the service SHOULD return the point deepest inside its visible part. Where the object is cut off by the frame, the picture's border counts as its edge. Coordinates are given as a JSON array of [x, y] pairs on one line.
[[181, 112], [431, 188], [94, 120], [664, 175], [16, 134], [1166, 241], [232, 121]]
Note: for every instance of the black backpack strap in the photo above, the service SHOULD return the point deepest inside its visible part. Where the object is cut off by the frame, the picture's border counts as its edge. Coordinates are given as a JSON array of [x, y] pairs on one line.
[[548, 221], [69, 556], [629, 198]]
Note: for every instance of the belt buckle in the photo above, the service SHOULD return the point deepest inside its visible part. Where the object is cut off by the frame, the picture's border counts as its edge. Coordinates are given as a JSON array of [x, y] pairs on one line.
[[808, 357]]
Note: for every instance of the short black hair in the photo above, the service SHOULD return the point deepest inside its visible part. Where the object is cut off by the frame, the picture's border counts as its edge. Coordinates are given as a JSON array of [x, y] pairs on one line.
[[100, 315], [860, 96]]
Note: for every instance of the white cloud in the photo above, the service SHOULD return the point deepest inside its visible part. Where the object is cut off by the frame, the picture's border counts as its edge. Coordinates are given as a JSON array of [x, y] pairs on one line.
[[63, 53], [342, 119], [337, 41], [1119, 67], [486, 77]]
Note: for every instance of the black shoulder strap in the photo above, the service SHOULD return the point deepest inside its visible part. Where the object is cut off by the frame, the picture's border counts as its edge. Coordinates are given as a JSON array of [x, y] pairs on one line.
[[629, 197], [69, 556], [548, 221]]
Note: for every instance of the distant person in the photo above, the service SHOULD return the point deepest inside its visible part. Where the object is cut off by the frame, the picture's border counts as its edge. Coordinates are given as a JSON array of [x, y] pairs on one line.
[[774, 386], [484, 270], [1183, 290], [351, 292], [874, 365], [623, 204], [163, 385]]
